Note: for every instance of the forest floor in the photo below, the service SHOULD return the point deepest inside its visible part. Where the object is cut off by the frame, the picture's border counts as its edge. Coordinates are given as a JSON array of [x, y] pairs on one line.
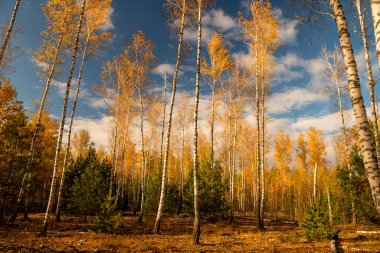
[[72, 235]]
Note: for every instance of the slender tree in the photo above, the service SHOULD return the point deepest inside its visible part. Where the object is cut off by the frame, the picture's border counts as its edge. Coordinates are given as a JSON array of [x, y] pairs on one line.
[[261, 34], [43, 230], [57, 36], [176, 9], [197, 221], [335, 9], [336, 72], [371, 81], [95, 19], [220, 61], [367, 146], [9, 32], [163, 120], [140, 55], [375, 7]]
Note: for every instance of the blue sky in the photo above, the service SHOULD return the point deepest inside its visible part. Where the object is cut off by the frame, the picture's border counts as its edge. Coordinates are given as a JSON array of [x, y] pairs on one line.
[[294, 104]]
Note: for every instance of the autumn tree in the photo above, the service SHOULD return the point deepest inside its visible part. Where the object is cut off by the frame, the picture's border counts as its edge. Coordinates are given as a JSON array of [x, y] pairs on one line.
[[197, 222], [175, 9], [316, 148], [43, 230], [283, 158], [375, 7], [336, 72], [220, 61], [260, 33], [95, 19], [13, 139], [310, 11], [56, 37], [371, 81], [140, 52]]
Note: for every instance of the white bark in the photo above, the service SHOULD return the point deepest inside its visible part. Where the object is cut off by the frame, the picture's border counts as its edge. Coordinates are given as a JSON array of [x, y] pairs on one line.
[[197, 224], [160, 210], [67, 153], [371, 81], [366, 144], [32, 149], [43, 230], [9, 32], [329, 205], [375, 7], [143, 165]]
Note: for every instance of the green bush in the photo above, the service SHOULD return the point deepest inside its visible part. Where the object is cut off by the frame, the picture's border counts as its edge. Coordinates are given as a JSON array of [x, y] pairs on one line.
[[108, 220], [87, 184], [212, 190], [317, 224], [358, 187], [153, 192]]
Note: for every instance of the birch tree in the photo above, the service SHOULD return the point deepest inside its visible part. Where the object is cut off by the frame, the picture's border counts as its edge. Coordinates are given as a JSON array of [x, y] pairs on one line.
[[371, 81], [260, 33], [220, 61], [336, 72], [375, 7], [44, 227], [310, 11], [140, 52], [95, 19], [176, 9], [7, 37], [197, 222], [57, 36]]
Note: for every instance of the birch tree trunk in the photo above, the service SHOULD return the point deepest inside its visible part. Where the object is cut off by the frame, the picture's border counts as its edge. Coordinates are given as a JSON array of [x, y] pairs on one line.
[[32, 149], [262, 148], [233, 166], [212, 122], [9, 31], [67, 152], [258, 149], [366, 145], [375, 7], [143, 168], [329, 205], [160, 210], [230, 151], [197, 224], [315, 185], [371, 82], [181, 180], [43, 230], [115, 138], [347, 151], [163, 122], [121, 180]]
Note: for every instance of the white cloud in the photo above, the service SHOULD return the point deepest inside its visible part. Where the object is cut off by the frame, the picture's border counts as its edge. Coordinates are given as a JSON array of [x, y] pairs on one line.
[[85, 96], [298, 98], [219, 20], [164, 69], [215, 20], [288, 28], [99, 129], [41, 65]]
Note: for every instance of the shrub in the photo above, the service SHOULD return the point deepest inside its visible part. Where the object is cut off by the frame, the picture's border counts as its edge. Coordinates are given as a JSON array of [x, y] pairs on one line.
[[108, 220], [317, 224]]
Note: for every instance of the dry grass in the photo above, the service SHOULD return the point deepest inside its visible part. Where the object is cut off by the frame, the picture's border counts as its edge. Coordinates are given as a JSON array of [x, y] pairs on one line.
[[74, 236]]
